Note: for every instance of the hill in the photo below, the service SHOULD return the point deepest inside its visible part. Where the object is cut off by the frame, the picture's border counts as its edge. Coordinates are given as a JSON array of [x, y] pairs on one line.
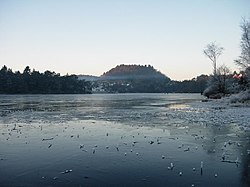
[[129, 72], [133, 79]]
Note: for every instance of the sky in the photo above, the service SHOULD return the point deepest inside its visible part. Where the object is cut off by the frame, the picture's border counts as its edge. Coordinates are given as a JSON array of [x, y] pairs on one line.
[[92, 36]]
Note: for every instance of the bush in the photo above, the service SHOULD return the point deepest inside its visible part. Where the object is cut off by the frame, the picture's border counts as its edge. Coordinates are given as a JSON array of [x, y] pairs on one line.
[[241, 97]]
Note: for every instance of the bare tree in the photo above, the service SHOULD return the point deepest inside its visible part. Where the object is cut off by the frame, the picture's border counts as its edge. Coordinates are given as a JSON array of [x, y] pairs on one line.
[[213, 51], [244, 58]]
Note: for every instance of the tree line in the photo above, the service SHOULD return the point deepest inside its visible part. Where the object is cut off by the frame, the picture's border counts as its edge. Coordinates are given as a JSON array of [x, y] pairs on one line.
[[34, 82], [152, 85]]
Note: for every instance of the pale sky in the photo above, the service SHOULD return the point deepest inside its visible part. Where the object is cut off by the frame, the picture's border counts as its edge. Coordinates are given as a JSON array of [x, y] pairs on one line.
[[93, 36]]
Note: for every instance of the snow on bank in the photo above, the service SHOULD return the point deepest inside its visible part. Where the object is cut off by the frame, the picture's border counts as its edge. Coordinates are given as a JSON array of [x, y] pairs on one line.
[[220, 112], [241, 97]]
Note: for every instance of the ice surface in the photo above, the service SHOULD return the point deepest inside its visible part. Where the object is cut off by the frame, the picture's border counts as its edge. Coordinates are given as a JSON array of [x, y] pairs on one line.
[[49, 140]]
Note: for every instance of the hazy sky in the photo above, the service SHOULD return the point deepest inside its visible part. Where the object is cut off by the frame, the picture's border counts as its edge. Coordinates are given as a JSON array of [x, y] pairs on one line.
[[92, 36]]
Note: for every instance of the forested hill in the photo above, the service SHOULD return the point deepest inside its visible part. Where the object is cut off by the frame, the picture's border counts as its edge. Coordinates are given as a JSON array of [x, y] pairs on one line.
[[134, 79], [125, 72]]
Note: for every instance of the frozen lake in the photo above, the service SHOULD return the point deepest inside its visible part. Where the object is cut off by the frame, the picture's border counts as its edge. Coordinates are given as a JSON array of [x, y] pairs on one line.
[[122, 140]]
